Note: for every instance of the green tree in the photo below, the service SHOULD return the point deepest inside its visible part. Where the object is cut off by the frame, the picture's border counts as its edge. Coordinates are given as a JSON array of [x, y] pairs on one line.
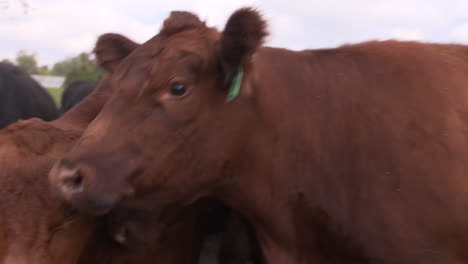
[[27, 61], [43, 70], [81, 67]]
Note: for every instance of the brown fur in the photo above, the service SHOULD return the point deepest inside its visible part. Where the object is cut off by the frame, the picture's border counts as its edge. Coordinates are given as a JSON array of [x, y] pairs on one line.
[[356, 154], [33, 222]]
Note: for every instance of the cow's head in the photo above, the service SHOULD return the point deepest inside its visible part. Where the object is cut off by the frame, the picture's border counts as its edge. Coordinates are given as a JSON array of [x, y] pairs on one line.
[[176, 125]]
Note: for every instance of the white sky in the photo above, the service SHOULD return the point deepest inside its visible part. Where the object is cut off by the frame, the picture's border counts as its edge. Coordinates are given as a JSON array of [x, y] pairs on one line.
[[56, 29]]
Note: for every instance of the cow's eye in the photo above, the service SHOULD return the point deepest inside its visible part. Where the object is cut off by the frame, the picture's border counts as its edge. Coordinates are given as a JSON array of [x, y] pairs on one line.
[[178, 89]]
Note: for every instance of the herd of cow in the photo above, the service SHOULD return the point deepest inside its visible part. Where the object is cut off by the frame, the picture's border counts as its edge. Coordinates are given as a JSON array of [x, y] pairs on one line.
[[203, 146]]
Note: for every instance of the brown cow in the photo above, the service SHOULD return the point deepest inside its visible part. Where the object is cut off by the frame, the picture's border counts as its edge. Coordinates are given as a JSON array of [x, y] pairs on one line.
[[357, 154], [37, 228]]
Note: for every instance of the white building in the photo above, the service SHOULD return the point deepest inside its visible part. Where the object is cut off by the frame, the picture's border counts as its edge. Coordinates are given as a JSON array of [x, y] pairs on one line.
[[49, 81]]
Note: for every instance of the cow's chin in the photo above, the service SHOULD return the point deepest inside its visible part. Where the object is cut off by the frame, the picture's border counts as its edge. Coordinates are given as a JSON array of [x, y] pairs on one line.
[[92, 206], [142, 228], [130, 235], [141, 222]]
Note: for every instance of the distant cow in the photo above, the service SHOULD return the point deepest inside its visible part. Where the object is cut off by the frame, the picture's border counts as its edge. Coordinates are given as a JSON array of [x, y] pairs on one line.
[[21, 97], [74, 93], [356, 154]]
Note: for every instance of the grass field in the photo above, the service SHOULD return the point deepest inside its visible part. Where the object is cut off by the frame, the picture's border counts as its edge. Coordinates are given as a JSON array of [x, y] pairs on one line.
[[56, 94]]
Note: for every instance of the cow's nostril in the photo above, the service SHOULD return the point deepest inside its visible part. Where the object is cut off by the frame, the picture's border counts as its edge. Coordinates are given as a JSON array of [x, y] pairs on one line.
[[72, 180]]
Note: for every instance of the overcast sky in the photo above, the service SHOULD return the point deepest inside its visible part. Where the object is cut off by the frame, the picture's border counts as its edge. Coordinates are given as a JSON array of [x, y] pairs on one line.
[[56, 29]]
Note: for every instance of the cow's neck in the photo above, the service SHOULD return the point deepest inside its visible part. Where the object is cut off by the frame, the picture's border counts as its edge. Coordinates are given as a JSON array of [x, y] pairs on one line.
[[260, 195], [82, 114], [283, 162], [86, 111], [256, 187]]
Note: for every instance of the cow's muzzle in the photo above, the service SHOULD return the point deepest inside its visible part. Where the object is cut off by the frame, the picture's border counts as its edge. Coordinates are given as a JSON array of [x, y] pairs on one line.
[[77, 184]]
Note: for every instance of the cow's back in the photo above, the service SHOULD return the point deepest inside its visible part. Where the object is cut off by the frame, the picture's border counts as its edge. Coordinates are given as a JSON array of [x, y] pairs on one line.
[[32, 220], [22, 97], [374, 136]]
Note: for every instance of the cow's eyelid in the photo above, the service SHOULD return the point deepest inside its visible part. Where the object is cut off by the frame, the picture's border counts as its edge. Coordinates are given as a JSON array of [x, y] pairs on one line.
[[178, 89]]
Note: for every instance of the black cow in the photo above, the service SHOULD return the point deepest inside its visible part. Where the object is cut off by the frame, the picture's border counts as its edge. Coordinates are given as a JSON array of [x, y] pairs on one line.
[[21, 97], [75, 92]]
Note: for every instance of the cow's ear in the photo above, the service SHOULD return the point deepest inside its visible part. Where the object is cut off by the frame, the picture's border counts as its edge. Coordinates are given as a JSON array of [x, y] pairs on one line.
[[111, 49], [245, 31], [179, 21]]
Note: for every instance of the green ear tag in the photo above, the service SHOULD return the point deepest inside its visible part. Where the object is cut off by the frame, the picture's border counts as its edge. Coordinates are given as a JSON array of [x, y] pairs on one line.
[[235, 84]]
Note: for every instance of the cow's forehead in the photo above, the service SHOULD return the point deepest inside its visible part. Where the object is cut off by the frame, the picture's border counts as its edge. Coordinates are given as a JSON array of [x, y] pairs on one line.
[[155, 58], [149, 53], [197, 41], [132, 64]]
